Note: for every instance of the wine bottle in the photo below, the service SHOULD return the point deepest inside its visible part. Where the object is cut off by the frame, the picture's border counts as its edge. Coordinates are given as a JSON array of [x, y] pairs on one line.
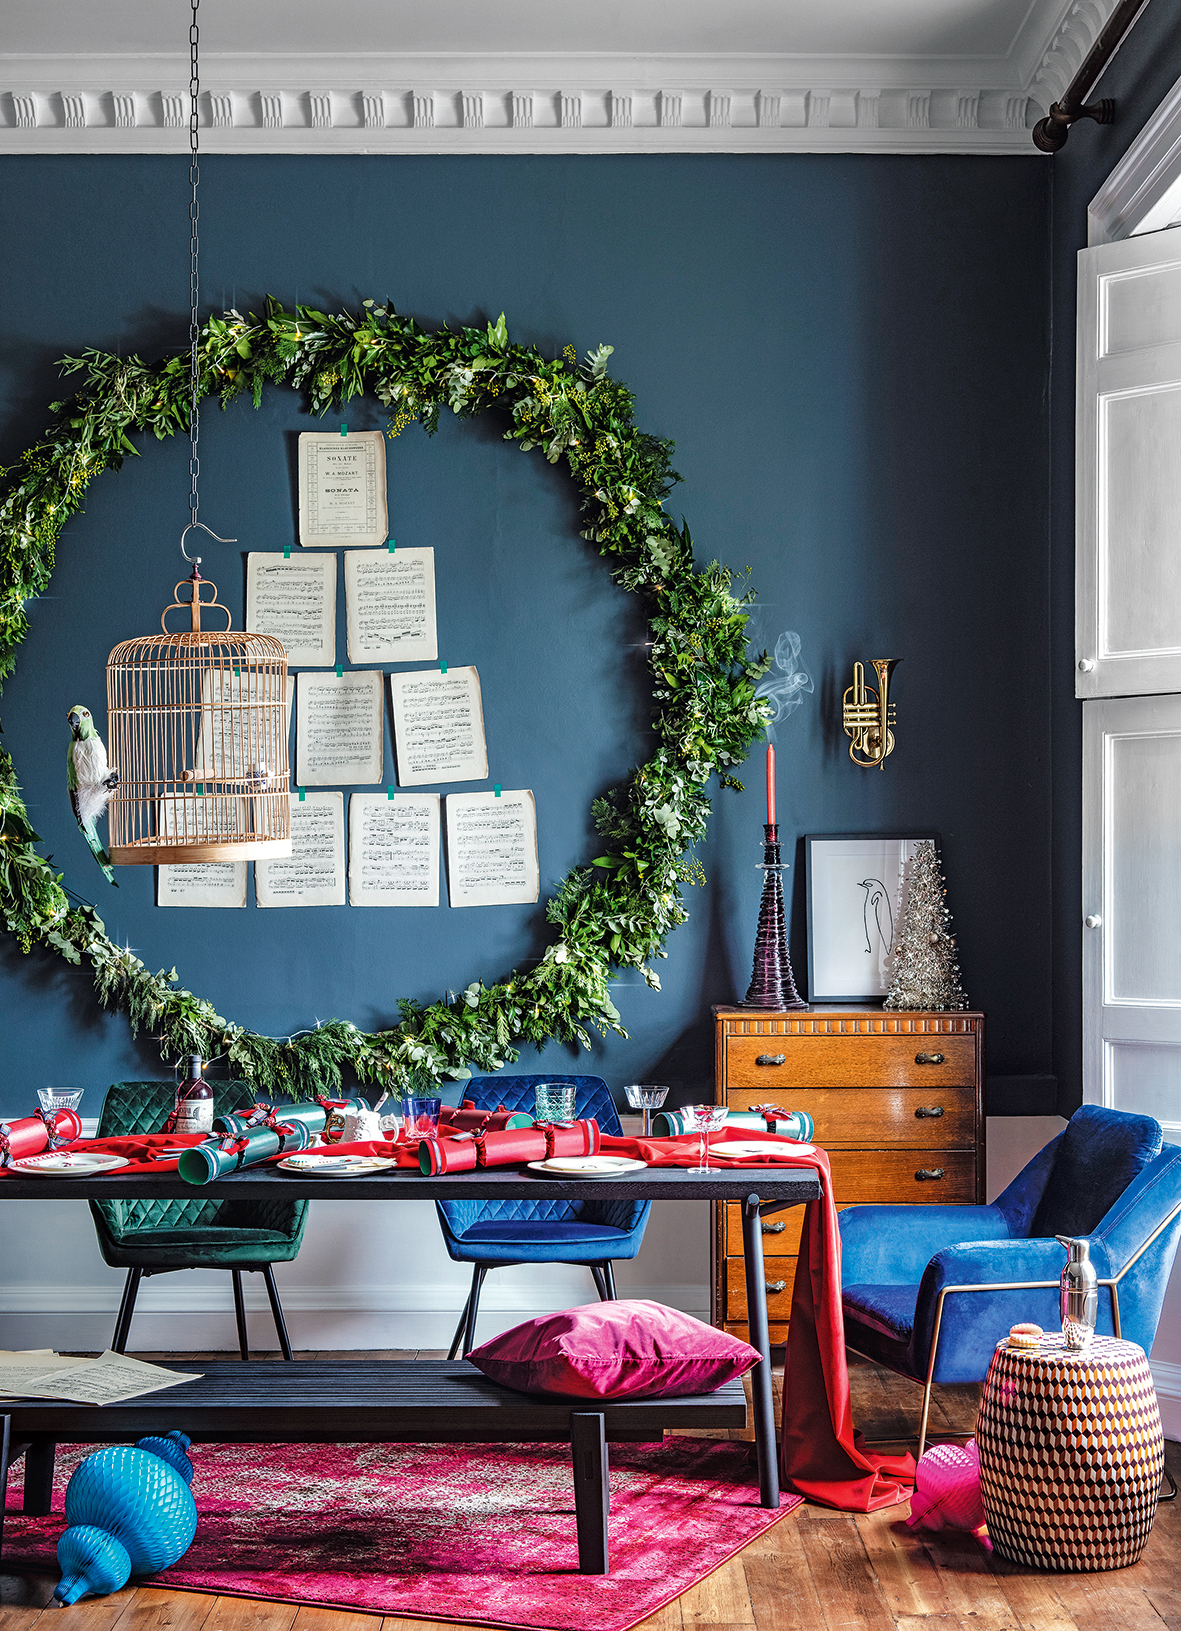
[[194, 1102]]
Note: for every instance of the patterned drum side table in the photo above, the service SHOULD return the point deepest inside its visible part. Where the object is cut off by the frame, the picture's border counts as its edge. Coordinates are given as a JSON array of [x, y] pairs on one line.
[[1071, 1454]]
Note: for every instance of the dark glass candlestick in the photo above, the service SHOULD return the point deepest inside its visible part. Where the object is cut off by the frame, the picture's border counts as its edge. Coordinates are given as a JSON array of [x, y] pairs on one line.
[[772, 983]]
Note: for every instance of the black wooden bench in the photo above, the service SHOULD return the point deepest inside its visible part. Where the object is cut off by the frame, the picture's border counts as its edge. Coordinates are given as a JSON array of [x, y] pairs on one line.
[[344, 1402]]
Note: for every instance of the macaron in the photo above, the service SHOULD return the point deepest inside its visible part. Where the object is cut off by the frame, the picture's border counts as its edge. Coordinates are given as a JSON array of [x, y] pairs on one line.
[[1025, 1335]]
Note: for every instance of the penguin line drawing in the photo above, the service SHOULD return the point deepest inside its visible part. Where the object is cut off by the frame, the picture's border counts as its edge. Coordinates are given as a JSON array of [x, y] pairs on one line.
[[877, 915]]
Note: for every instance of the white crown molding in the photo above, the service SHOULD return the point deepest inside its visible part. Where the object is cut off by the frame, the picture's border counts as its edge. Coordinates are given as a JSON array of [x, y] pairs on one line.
[[548, 102]]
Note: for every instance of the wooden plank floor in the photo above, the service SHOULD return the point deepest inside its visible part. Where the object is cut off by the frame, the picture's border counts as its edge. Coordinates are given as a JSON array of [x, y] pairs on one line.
[[815, 1571]]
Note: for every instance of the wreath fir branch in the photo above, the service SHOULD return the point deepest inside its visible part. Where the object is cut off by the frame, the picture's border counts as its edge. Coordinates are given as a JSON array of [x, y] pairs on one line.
[[616, 912]]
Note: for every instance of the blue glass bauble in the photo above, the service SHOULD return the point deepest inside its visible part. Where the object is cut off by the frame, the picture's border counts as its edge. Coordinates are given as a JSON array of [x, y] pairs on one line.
[[139, 1499], [170, 1448], [91, 1560]]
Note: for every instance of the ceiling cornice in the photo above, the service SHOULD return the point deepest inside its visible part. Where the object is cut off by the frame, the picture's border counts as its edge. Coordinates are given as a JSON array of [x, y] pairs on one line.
[[548, 102]]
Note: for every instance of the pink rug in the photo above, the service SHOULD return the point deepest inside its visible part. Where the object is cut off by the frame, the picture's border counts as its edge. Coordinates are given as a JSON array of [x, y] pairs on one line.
[[479, 1532]]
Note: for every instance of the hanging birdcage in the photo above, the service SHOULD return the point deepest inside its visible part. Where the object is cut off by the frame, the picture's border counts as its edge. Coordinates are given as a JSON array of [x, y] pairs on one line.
[[197, 728]]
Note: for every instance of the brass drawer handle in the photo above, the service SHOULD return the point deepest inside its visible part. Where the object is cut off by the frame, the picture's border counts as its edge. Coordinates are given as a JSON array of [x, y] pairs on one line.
[[928, 1058], [771, 1059], [774, 1228], [929, 1112], [926, 1173], [770, 1286]]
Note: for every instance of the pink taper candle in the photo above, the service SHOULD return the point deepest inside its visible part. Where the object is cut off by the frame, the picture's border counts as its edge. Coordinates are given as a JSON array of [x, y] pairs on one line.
[[770, 784]]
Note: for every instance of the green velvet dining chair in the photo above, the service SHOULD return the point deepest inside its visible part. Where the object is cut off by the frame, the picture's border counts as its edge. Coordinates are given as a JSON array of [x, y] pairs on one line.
[[163, 1236]]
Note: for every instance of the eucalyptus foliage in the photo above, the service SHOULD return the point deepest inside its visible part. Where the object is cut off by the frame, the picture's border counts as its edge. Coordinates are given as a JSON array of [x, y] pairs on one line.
[[616, 912]]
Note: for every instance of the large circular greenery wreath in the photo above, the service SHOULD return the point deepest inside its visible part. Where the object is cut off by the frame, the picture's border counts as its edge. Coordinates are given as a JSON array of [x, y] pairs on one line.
[[616, 912]]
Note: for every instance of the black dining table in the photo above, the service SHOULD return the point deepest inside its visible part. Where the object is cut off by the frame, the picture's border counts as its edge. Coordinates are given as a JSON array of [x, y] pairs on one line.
[[759, 1190]]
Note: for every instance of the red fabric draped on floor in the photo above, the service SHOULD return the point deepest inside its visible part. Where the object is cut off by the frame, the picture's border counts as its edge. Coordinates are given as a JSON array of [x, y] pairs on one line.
[[821, 1457]]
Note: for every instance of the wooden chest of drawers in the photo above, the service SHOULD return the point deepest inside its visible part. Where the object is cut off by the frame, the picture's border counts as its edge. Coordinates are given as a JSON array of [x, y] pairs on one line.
[[897, 1099]]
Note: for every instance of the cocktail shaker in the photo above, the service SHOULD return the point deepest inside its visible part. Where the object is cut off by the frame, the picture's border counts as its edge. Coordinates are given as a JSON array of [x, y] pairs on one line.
[[1078, 1295]]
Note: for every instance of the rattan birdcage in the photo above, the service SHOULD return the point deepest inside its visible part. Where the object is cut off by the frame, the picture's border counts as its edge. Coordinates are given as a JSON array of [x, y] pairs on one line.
[[197, 727]]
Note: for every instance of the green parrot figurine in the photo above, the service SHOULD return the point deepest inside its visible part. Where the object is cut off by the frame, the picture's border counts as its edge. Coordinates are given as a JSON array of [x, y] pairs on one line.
[[90, 781]]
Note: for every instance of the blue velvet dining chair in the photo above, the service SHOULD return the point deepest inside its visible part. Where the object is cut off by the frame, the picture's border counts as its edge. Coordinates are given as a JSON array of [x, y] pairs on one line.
[[928, 1291], [504, 1234]]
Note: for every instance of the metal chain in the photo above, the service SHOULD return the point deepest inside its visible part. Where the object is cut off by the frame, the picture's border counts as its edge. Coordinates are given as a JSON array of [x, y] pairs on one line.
[[194, 246]]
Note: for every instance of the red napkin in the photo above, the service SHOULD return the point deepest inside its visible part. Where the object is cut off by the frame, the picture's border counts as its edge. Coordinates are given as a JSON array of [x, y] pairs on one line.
[[821, 1456]]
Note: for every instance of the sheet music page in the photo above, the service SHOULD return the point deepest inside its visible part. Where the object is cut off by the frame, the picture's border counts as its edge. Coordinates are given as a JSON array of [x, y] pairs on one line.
[[203, 883], [394, 849], [439, 727], [340, 736], [109, 1379], [342, 490], [227, 747], [314, 874], [295, 601], [390, 601], [492, 849]]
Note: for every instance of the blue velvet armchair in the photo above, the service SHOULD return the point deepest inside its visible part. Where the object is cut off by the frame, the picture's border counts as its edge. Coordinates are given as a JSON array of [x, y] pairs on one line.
[[503, 1234], [928, 1291]]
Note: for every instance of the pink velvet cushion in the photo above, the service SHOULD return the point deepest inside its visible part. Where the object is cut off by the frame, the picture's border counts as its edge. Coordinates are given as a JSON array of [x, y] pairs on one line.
[[620, 1350]]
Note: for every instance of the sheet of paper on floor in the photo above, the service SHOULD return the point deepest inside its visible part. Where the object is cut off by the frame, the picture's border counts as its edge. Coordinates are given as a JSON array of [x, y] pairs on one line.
[[394, 849], [295, 601], [492, 849], [314, 875], [390, 605], [438, 727], [342, 500], [340, 735]]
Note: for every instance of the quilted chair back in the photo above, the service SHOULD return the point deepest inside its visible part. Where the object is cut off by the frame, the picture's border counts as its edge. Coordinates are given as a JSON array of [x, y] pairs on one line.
[[592, 1099], [144, 1107]]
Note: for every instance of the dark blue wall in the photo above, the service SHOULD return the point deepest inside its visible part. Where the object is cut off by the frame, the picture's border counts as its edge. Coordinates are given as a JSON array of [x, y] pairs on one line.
[[851, 354], [1139, 77]]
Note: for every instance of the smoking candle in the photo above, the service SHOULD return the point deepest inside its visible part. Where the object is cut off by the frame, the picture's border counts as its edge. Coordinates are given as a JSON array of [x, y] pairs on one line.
[[770, 784]]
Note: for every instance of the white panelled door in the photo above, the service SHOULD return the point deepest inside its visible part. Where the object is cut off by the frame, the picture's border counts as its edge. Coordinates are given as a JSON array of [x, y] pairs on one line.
[[1128, 653], [1128, 468], [1132, 901]]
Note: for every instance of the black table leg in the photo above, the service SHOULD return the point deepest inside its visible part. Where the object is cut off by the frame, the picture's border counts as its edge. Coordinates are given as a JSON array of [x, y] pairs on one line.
[[39, 1477], [588, 1440], [5, 1443], [760, 1376]]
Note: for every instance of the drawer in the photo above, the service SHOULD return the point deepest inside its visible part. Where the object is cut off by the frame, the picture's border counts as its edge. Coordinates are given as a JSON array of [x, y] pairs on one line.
[[891, 1177], [781, 1232], [848, 1061], [778, 1302], [857, 1116], [776, 1329]]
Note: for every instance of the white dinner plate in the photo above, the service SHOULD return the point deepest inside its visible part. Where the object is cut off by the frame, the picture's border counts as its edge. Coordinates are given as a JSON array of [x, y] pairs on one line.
[[335, 1166], [587, 1166], [752, 1151], [66, 1164]]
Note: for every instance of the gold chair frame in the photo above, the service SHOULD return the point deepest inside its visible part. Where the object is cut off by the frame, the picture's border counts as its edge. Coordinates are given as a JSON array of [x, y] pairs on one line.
[[1111, 1282]]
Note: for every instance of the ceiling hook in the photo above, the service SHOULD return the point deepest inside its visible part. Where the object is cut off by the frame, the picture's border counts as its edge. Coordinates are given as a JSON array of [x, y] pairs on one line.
[[196, 558]]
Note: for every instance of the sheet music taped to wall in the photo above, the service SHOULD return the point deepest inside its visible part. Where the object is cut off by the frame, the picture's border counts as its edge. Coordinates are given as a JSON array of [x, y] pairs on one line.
[[492, 849], [342, 490], [295, 601], [203, 883], [391, 605], [339, 736], [314, 875], [243, 723], [438, 727], [394, 849]]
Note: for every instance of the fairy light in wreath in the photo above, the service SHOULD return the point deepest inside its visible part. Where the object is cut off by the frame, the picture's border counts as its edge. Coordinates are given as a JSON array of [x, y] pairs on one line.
[[198, 720]]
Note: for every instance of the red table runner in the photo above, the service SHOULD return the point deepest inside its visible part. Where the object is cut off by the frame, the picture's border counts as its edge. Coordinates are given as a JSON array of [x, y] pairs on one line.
[[821, 1456]]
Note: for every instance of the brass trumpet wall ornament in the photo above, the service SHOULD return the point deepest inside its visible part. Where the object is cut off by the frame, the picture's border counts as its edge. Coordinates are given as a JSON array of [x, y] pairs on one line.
[[869, 714]]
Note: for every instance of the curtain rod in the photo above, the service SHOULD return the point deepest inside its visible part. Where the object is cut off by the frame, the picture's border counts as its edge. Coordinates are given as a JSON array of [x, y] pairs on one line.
[[1051, 132]]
